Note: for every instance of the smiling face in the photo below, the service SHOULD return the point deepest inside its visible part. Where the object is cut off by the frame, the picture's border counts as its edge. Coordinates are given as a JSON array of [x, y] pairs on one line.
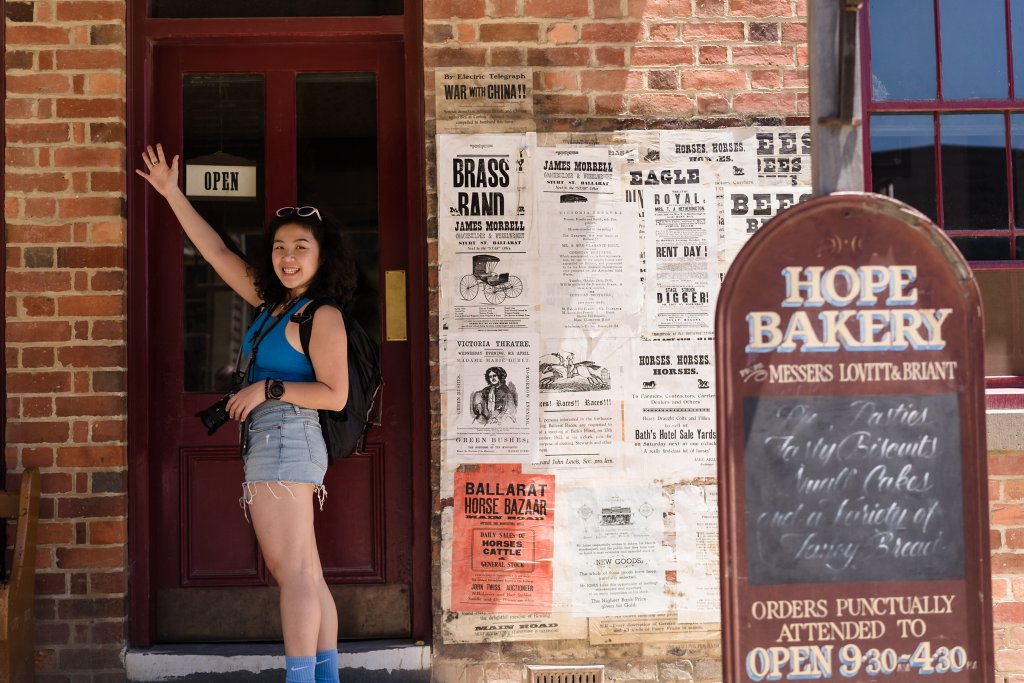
[[296, 257]]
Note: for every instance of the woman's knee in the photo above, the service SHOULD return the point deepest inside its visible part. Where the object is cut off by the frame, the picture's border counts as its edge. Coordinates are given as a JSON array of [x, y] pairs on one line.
[[293, 571]]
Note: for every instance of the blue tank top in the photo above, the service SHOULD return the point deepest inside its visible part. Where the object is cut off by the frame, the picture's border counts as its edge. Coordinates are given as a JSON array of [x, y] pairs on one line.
[[275, 357]]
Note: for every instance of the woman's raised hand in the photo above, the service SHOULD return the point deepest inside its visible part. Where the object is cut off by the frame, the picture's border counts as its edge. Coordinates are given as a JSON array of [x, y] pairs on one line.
[[162, 176]]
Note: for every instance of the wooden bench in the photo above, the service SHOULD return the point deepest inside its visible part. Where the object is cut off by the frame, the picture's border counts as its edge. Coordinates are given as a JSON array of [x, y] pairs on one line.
[[16, 594]]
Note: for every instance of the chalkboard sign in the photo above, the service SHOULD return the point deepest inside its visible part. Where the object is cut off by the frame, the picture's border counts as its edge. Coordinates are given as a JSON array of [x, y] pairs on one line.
[[853, 488]]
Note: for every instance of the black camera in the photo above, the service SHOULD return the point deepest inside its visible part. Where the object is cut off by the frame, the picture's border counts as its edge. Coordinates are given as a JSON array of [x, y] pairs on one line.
[[216, 415]]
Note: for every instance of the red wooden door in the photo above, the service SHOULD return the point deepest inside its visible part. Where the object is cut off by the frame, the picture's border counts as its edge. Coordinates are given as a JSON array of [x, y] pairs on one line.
[[324, 126]]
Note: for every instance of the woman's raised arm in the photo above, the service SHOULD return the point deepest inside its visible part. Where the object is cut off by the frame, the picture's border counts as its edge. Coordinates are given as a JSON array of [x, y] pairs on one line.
[[163, 177]]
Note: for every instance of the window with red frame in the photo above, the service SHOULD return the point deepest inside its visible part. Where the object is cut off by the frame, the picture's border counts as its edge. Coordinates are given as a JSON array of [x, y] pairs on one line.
[[944, 130]]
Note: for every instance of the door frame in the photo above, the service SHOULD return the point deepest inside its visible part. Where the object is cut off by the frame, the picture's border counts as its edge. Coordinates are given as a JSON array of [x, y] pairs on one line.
[[144, 34]]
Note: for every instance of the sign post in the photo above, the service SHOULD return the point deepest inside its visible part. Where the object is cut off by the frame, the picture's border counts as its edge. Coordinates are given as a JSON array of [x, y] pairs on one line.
[[853, 488]]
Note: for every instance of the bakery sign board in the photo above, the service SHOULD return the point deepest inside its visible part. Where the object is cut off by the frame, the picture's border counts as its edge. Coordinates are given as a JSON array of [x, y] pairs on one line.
[[853, 488]]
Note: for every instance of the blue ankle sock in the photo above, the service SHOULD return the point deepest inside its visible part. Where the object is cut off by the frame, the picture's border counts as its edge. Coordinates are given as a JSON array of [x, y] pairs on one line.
[[300, 669], [327, 666]]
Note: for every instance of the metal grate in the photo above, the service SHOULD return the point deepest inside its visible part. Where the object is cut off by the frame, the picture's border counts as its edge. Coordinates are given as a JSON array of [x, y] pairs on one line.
[[566, 674]]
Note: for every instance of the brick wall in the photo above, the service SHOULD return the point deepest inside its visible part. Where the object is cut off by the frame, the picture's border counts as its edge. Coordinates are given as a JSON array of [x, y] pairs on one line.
[[1006, 507], [65, 297], [603, 65]]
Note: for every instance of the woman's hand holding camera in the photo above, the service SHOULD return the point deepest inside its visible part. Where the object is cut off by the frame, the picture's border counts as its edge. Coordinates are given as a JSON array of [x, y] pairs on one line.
[[245, 400]]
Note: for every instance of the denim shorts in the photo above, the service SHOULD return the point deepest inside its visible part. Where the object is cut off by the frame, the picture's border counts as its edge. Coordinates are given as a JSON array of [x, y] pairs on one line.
[[284, 444]]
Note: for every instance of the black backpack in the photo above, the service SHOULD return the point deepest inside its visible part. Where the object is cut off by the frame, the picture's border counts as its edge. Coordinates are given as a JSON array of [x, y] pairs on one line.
[[345, 430]]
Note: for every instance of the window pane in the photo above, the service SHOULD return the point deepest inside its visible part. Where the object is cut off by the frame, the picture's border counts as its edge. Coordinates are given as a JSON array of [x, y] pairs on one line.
[[902, 50], [274, 8], [903, 159], [1001, 296], [973, 49], [1017, 152], [973, 170], [222, 113], [1017, 27], [336, 117], [983, 248]]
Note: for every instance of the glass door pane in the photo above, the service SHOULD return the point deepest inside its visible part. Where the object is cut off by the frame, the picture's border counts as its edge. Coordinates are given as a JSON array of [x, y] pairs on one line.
[[336, 130], [223, 120]]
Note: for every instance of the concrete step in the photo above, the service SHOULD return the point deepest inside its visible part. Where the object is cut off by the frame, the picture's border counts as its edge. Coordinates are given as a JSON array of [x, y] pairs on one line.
[[385, 661]]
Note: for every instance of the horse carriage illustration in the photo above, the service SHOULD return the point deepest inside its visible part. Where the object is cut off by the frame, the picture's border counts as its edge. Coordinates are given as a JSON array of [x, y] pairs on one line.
[[496, 286]]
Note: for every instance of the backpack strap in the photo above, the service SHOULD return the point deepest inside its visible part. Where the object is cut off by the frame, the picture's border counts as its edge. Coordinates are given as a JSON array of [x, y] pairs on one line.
[[305, 319]]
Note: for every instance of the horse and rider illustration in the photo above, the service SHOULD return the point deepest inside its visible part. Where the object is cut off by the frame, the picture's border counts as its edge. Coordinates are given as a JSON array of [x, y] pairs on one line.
[[559, 371]]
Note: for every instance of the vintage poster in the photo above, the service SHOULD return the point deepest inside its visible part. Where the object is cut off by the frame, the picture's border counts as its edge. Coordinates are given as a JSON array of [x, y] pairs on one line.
[[784, 155], [696, 588], [681, 231], [471, 627], [580, 404], [484, 193], [670, 409], [573, 175], [747, 209], [612, 541], [503, 536], [479, 100], [591, 268], [488, 292], [694, 640], [491, 391], [729, 151]]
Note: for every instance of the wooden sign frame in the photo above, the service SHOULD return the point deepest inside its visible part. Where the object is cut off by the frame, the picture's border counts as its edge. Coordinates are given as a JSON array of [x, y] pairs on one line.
[[852, 463]]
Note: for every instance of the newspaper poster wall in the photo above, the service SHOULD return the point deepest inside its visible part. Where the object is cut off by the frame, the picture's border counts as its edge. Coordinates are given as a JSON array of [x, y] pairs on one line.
[[503, 540], [670, 409], [612, 541], [479, 100], [591, 266], [784, 155], [488, 292], [491, 387], [697, 596], [570, 175], [747, 209], [471, 627], [681, 231], [484, 193], [729, 151]]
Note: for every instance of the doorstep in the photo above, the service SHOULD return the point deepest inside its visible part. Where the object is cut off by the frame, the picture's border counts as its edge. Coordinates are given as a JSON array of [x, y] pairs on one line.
[[380, 661]]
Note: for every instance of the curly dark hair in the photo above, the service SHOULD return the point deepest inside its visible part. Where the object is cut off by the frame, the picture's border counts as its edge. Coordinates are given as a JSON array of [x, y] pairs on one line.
[[500, 372], [336, 275]]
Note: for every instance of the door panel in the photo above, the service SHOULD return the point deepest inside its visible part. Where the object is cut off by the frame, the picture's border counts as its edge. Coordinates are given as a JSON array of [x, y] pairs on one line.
[[323, 126]]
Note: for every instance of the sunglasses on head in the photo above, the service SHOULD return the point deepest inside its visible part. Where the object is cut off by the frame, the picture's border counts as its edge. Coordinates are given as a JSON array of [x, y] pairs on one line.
[[300, 211]]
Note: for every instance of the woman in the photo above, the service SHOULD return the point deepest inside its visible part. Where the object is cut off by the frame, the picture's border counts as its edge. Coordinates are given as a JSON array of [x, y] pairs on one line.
[[497, 402], [285, 456]]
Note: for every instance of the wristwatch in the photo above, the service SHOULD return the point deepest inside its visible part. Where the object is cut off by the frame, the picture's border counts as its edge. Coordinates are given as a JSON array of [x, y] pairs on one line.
[[274, 389]]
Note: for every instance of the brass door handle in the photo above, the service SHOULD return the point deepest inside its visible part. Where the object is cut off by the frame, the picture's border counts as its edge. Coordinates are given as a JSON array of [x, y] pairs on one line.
[[395, 328]]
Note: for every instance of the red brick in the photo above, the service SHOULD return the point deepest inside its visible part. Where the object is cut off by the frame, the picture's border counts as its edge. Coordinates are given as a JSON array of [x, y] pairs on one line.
[[104, 84], [610, 104], [1008, 612], [663, 32], [437, 33], [36, 406], [37, 432], [37, 357], [558, 56], [108, 582], [89, 108], [558, 80], [610, 56], [93, 506], [1007, 515], [507, 56], [447, 9], [794, 33], [607, 9], [20, 108], [68, 406], [37, 207], [662, 56], [561, 104], [611, 80], [502, 8], [36, 35], [1008, 563], [95, 305], [37, 84], [91, 356], [39, 306], [108, 430], [90, 456], [713, 31], [451, 56], [700, 79], [89, 11], [763, 56], [658, 9], [20, 156], [760, 8], [90, 58], [106, 131], [709, 54], [710, 8], [559, 9], [36, 182], [37, 382], [90, 257], [108, 632], [1005, 463], [661, 105], [108, 157], [36, 132], [107, 281], [108, 329], [37, 457], [508, 32], [613, 33], [795, 78], [764, 104], [108, 532], [765, 80], [55, 482]]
